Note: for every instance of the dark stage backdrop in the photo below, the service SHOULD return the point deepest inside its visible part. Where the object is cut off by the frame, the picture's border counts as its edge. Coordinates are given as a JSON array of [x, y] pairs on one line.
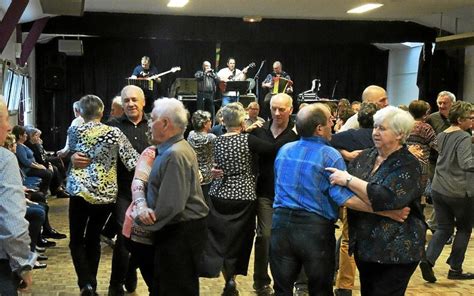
[[107, 62]]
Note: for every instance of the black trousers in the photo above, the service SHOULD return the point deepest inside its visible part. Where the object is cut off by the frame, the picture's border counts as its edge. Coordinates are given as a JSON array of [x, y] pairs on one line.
[[85, 223], [45, 175], [178, 250], [384, 279], [8, 280]]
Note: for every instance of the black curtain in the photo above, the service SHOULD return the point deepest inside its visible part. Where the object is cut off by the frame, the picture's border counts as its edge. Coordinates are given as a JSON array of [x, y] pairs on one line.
[[108, 61], [353, 66], [102, 71]]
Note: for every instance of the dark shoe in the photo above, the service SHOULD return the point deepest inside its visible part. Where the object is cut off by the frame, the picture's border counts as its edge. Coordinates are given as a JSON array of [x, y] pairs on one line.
[[88, 290], [264, 291], [44, 243], [131, 280], [459, 275], [62, 194], [42, 257], [230, 289], [52, 233], [342, 292], [39, 265], [116, 291], [427, 272]]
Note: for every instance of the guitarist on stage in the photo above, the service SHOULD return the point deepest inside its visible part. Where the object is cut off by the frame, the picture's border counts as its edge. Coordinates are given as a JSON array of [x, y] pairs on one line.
[[145, 70], [231, 74]]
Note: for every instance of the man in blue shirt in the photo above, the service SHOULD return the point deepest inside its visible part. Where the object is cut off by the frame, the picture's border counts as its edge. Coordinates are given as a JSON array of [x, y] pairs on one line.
[[306, 205]]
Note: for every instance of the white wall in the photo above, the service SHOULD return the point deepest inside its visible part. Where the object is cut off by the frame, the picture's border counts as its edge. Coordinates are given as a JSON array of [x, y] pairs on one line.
[[468, 94], [402, 74]]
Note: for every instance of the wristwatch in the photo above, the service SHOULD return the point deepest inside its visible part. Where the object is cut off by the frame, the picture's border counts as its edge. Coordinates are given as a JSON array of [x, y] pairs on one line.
[[348, 180]]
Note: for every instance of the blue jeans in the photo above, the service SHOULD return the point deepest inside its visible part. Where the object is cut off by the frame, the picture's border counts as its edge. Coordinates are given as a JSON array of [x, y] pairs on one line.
[[301, 238], [450, 212], [35, 215]]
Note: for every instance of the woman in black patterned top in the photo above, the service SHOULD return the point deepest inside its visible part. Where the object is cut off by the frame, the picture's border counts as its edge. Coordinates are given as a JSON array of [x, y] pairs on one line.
[[386, 252], [202, 141], [93, 188], [232, 200]]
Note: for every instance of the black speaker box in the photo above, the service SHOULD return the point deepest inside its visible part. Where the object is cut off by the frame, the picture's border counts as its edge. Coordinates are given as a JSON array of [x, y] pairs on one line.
[[54, 76]]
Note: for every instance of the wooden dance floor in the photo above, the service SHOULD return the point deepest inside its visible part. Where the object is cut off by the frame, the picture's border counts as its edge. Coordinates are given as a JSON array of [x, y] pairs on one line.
[[59, 278]]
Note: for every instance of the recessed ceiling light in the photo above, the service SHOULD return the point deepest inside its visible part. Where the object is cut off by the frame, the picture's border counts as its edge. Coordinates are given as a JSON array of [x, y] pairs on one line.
[[365, 7], [177, 3], [252, 19]]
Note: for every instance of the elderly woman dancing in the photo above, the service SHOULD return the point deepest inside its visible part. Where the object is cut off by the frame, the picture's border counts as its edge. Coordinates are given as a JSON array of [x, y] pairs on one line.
[[232, 200], [452, 205], [93, 188], [386, 252]]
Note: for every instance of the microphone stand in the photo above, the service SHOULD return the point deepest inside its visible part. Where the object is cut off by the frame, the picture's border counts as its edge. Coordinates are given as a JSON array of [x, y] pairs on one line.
[[257, 84], [334, 90]]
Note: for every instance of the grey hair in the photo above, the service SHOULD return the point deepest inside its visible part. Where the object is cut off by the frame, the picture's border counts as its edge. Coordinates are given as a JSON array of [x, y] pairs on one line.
[[399, 121], [172, 109], [117, 101], [91, 107], [448, 94], [199, 119], [127, 88], [76, 106], [31, 131], [233, 114]]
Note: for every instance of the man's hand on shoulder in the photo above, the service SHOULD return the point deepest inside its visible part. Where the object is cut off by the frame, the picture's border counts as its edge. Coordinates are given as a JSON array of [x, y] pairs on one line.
[[80, 160]]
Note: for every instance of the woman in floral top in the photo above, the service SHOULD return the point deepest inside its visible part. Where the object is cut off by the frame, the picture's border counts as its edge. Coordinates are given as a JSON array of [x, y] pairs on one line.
[[93, 188], [386, 252]]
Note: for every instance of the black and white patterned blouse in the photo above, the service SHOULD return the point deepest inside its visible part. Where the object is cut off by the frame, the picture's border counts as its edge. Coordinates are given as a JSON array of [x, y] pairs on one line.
[[233, 154], [202, 144], [103, 144]]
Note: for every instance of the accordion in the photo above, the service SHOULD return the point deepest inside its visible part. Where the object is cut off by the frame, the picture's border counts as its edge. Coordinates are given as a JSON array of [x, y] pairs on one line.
[[280, 85]]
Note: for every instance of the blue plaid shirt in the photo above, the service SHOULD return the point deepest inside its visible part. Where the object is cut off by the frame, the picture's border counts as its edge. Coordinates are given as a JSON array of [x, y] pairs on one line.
[[301, 182]]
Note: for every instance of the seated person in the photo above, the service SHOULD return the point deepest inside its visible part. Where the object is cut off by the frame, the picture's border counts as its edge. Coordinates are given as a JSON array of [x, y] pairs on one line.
[[53, 163], [33, 198]]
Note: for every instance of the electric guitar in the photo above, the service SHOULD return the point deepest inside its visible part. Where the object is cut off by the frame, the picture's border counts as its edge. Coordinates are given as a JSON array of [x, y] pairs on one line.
[[172, 70]]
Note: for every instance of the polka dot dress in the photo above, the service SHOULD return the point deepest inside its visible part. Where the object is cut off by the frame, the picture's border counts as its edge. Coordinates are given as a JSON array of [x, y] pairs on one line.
[[233, 156]]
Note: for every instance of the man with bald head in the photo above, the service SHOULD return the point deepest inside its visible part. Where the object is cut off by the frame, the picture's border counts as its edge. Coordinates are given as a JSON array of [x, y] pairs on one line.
[[16, 259], [305, 209], [133, 123], [278, 129], [371, 94]]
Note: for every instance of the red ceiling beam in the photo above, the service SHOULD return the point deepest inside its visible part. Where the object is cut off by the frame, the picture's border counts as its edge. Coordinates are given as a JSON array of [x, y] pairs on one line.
[[30, 41], [10, 20]]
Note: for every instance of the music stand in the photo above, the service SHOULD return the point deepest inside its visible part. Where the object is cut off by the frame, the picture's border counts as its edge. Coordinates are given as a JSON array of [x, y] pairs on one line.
[[237, 86]]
